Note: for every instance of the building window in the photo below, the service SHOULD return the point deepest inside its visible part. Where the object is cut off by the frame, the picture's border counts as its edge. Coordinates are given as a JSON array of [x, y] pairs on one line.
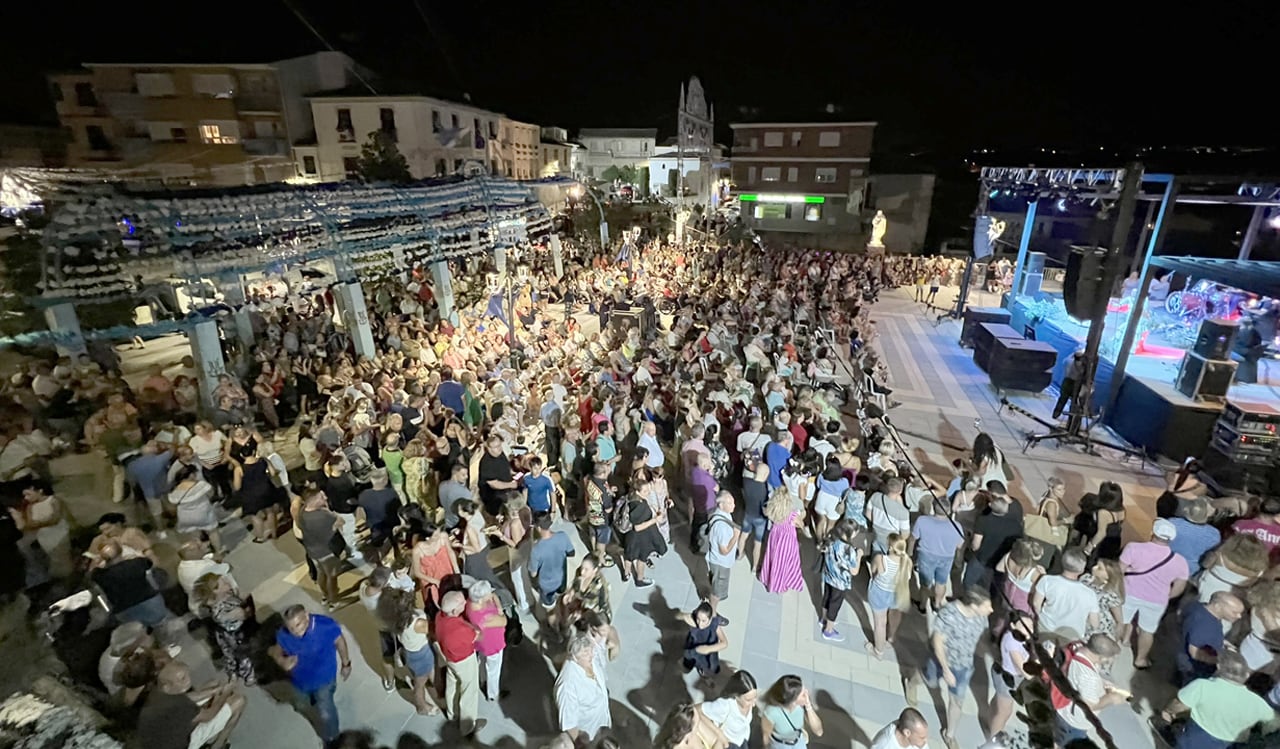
[[825, 174], [456, 122], [178, 134], [85, 96], [387, 121], [795, 138], [55, 89], [457, 166], [154, 84], [442, 167], [751, 175], [346, 131], [793, 174], [217, 85], [772, 210], [220, 133], [812, 212], [351, 165], [770, 174], [773, 140], [436, 124], [97, 138], [829, 139], [308, 165], [493, 129]]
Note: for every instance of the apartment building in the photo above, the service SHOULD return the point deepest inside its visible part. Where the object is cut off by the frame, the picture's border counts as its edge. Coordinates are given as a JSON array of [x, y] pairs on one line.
[[557, 154], [616, 147], [520, 146], [437, 137], [212, 124], [32, 146], [807, 179]]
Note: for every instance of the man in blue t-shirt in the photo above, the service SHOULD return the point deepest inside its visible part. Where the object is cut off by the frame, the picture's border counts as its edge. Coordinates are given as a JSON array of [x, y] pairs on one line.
[[776, 456], [313, 651], [547, 562], [537, 489], [449, 392], [1202, 638]]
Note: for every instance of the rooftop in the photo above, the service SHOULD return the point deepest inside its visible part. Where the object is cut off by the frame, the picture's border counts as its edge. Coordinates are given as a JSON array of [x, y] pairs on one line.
[[618, 132]]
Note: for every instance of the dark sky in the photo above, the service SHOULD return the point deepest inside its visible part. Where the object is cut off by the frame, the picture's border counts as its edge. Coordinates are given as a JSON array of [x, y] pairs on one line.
[[984, 75]]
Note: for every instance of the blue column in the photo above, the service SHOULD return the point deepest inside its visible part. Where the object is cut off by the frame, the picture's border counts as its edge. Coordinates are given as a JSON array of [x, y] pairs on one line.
[[1024, 245], [355, 317], [65, 325], [206, 350], [444, 290]]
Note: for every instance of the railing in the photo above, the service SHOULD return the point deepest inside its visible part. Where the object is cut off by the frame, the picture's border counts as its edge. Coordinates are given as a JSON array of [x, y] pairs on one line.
[[266, 146]]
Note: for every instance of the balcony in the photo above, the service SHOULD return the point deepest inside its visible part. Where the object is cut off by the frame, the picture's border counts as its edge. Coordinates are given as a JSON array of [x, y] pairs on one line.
[[266, 146], [257, 102]]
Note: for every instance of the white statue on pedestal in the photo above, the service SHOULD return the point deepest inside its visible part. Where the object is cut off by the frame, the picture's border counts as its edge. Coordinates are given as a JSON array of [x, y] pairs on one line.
[[878, 226]]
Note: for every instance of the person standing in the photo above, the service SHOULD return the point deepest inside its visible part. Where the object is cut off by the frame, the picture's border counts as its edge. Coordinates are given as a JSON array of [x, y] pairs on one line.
[[909, 731], [953, 640], [1154, 574], [733, 711], [600, 499], [1203, 625], [723, 549], [551, 414], [1064, 606], [494, 475], [485, 614], [840, 562], [994, 533], [1085, 664], [127, 586], [312, 649], [175, 716], [582, 692], [457, 638], [1221, 710], [780, 571], [888, 593], [938, 539], [1070, 380], [548, 562], [786, 713], [320, 528]]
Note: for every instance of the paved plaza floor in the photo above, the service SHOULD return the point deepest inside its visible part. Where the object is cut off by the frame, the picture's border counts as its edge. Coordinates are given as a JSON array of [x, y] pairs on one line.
[[943, 394]]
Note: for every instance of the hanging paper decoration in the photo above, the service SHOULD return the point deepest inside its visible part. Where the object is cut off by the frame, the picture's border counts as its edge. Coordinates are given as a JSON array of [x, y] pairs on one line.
[[104, 239]]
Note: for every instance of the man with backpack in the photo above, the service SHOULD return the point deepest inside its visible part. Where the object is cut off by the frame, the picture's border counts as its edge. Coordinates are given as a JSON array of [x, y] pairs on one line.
[[724, 542], [1083, 663]]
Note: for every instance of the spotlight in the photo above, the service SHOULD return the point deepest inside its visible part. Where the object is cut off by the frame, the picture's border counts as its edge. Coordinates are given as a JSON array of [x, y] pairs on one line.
[[1008, 192], [1062, 204], [1274, 221], [993, 193]]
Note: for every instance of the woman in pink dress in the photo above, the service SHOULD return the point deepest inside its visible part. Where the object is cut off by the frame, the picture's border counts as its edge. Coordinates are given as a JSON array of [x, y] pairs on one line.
[[780, 571]]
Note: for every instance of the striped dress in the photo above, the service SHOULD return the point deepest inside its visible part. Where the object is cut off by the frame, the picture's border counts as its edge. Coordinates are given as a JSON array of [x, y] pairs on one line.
[[781, 569]]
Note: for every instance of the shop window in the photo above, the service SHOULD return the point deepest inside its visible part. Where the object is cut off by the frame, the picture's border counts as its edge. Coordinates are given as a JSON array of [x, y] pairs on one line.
[[812, 212], [773, 210], [308, 165], [351, 165]]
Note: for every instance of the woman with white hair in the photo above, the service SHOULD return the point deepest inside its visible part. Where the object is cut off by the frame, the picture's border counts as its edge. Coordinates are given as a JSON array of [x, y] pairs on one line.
[[581, 692], [485, 612]]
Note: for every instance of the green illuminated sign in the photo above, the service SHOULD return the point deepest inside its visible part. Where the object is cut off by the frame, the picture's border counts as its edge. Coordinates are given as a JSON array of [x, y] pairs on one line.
[[780, 198], [748, 198], [814, 199]]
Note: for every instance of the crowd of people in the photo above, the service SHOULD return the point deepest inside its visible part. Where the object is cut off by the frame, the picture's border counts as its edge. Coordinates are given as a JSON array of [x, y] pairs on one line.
[[731, 402]]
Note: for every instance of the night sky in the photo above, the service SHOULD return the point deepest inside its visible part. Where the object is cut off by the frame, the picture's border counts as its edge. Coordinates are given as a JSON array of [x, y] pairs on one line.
[[1024, 75]]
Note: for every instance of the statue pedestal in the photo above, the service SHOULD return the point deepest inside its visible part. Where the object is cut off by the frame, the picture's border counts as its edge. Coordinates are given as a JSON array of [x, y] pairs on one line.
[[875, 249]]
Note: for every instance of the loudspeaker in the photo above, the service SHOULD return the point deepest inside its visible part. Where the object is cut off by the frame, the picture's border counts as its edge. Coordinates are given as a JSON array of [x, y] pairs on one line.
[[1083, 289], [1204, 379], [1033, 278], [974, 316], [1216, 339], [620, 320]]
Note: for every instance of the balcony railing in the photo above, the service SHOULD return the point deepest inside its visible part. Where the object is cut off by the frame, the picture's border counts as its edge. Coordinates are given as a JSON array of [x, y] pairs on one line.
[[266, 146]]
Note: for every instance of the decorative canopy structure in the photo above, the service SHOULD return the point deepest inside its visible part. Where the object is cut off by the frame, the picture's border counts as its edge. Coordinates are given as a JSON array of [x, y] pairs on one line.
[[1260, 277], [103, 236]]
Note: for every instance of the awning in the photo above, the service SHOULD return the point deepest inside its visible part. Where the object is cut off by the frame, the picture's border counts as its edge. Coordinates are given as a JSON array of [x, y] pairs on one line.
[[1258, 276]]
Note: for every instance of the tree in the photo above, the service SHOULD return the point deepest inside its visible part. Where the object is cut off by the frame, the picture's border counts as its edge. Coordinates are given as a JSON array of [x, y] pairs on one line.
[[611, 174], [381, 161], [628, 175]]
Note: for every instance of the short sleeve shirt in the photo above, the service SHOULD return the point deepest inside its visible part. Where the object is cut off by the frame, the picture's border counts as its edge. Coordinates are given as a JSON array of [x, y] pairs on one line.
[[725, 713], [1202, 630], [936, 536], [539, 489], [719, 533], [1224, 709], [962, 635], [547, 561], [317, 656], [1149, 577]]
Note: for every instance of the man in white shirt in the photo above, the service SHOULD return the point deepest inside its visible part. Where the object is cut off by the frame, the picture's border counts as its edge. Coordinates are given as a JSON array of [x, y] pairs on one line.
[[724, 546], [753, 438], [909, 731], [654, 457], [1064, 606], [1086, 662], [582, 697]]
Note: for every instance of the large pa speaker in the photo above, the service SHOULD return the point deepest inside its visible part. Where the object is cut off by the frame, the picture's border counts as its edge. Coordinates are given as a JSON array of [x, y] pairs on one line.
[[1216, 339], [1204, 379], [620, 320], [1084, 290]]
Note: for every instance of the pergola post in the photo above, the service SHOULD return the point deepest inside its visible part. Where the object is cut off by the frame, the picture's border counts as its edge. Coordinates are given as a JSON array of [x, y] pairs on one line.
[[232, 287], [206, 350], [65, 325], [557, 255], [349, 298], [1139, 303], [443, 281]]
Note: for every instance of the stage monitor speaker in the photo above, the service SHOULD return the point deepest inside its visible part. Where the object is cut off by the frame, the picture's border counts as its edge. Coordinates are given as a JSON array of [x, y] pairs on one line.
[[975, 316], [1084, 290], [1216, 339], [1204, 379], [621, 320]]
